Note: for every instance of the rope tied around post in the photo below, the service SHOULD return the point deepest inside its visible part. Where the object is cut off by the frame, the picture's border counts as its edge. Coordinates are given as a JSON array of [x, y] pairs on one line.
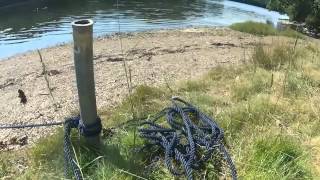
[[187, 133], [92, 129], [86, 131]]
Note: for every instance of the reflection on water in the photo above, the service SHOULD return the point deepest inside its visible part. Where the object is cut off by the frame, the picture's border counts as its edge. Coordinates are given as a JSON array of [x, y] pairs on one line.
[[45, 23]]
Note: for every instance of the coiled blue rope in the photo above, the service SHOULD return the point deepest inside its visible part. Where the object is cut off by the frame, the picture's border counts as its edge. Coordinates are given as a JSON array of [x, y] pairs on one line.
[[188, 132]]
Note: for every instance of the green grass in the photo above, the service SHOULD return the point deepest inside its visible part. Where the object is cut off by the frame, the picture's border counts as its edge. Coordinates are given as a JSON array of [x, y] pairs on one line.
[[278, 157], [262, 29], [254, 28], [275, 57], [269, 110], [251, 83]]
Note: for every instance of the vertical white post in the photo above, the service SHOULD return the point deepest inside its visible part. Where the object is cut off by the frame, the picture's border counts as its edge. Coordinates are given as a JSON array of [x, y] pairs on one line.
[[83, 61]]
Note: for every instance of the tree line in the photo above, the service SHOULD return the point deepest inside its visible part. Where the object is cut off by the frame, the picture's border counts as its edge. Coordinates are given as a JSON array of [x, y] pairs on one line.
[[302, 11]]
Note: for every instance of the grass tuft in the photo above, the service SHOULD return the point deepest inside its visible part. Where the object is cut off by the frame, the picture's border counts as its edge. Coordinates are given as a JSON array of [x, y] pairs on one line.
[[248, 115], [276, 57], [145, 101], [262, 29], [279, 157], [255, 28], [296, 84], [194, 86], [251, 83]]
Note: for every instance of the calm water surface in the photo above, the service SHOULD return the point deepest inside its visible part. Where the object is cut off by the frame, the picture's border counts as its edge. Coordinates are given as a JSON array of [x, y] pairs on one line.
[[46, 23]]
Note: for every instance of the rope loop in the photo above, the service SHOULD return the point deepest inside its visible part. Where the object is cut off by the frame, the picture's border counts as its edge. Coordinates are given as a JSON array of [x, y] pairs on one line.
[[189, 138]]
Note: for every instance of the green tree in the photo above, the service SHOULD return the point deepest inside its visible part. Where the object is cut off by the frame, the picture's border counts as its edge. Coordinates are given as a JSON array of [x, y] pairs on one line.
[[299, 10], [314, 18]]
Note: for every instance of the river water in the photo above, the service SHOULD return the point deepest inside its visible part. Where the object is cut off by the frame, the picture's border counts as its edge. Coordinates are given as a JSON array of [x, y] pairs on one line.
[[46, 23]]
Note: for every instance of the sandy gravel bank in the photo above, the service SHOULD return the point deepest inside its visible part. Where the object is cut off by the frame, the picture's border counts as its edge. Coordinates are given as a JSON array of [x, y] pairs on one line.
[[154, 57]]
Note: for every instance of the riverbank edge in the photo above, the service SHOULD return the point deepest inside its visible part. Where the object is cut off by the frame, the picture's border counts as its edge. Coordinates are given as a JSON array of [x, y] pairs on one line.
[[118, 35]]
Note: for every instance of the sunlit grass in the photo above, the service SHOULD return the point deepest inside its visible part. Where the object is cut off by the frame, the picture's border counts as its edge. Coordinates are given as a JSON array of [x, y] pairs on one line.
[[268, 109], [278, 157], [262, 29]]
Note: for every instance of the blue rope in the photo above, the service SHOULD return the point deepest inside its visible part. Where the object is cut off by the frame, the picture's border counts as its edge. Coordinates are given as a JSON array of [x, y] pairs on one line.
[[186, 122], [206, 136], [69, 124], [12, 126], [69, 156]]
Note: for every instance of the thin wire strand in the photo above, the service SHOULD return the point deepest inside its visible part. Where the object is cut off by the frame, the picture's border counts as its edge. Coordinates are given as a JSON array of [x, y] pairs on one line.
[[129, 85], [121, 49]]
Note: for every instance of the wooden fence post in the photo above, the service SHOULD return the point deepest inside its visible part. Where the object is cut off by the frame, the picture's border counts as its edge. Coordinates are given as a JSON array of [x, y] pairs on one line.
[[83, 61]]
